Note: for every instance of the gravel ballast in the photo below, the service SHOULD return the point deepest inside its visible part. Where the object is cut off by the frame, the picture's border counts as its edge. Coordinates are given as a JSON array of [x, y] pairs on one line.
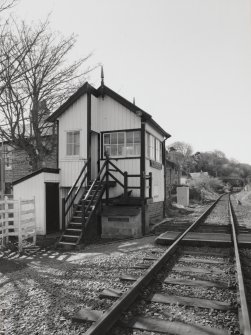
[[41, 292]]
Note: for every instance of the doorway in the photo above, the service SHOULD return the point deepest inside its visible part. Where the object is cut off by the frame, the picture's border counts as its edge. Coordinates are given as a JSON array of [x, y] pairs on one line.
[[94, 154], [52, 207]]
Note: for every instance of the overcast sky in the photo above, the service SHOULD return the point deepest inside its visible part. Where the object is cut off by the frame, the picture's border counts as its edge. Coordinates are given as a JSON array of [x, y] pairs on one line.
[[186, 62]]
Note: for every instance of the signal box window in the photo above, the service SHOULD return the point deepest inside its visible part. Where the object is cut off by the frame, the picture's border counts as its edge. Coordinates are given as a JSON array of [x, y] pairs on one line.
[[72, 143]]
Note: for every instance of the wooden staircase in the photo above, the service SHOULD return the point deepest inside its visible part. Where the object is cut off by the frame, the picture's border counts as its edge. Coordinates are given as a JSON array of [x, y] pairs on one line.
[[83, 212]]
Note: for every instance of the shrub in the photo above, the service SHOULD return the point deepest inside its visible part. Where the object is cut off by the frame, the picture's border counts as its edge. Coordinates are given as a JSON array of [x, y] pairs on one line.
[[204, 185]]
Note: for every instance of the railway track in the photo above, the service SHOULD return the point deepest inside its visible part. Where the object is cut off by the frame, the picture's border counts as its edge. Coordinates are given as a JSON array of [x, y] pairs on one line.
[[183, 290]]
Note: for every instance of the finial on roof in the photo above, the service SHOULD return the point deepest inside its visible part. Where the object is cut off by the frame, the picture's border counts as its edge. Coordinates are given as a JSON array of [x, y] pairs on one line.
[[102, 75], [133, 100]]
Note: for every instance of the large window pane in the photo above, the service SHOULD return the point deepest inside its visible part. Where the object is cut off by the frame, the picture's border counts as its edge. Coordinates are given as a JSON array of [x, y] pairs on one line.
[[152, 147], [106, 138], [157, 147], [137, 149], [160, 152], [129, 137], [121, 150], [114, 150], [107, 150], [147, 145], [114, 138], [121, 138], [137, 137]]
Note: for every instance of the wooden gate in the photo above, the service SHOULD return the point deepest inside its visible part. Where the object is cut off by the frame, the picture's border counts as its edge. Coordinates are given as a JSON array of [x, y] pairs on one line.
[[17, 218]]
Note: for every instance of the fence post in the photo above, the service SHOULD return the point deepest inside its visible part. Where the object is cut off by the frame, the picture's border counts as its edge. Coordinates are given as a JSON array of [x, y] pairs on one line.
[[63, 214], [6, 216], [35, 222], [83, 221], [2, 223], [150, 184], [19, 225], [107, 181], [125, 184]]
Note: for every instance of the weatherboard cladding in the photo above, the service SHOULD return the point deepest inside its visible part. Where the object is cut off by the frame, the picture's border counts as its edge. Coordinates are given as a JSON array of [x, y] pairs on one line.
[[72, 120]]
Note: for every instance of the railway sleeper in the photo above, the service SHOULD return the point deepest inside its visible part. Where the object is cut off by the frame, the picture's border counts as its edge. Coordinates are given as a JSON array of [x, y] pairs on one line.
[[152, 325], [174, 299]]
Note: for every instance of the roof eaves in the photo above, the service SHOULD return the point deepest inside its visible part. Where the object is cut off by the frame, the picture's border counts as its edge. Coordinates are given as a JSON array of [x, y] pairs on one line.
[[126, 103], [81, 91], [158, 127], [132, 107]]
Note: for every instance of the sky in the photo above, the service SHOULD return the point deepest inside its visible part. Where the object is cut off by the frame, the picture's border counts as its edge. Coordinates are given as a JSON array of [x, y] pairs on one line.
[[186, 62]]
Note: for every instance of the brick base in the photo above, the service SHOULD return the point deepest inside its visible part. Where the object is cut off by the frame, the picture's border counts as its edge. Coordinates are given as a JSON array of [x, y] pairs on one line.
[[121, 225], [154, 213]]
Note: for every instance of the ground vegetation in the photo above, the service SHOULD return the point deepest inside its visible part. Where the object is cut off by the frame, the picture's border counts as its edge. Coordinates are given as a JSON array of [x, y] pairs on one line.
[[215, 163]]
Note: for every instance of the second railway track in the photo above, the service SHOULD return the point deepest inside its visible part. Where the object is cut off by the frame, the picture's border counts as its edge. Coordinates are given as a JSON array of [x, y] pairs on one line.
[[189, 288]]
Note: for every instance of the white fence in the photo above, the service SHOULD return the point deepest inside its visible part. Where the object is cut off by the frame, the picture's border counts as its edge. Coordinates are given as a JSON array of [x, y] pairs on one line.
[[17, 218]]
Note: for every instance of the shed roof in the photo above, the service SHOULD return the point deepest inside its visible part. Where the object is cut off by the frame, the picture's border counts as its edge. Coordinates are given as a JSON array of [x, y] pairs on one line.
[[102, 91], [35, 173]]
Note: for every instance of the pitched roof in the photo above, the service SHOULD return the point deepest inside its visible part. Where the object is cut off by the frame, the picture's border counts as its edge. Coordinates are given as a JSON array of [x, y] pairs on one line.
[[104, 90]]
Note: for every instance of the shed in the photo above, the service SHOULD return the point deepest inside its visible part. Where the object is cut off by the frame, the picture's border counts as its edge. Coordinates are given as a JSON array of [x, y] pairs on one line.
[[42, 184]]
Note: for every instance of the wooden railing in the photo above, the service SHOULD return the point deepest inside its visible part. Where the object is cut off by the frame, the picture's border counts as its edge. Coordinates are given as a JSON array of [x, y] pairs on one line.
[[101, 183], [126, 176]]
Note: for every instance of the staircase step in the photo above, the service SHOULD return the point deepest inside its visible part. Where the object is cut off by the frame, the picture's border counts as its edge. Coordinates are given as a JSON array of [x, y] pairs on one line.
[[89, 199], [74, 229], [66, 243], [79, 217], [70, 236]]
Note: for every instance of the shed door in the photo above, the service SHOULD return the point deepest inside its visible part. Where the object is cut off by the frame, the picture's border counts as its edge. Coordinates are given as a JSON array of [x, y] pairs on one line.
[[52, 207], [94, 155]]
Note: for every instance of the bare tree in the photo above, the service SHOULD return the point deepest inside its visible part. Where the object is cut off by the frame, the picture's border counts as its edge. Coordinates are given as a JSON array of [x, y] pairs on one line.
[[33, 85], [7, 4], [181, 154]]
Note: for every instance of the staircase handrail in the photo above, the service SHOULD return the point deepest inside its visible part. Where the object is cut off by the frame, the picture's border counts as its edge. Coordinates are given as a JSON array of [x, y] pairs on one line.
[[116, 168], [95, 193], [78, 189], [77, 180], [115, 179], [94, 183]]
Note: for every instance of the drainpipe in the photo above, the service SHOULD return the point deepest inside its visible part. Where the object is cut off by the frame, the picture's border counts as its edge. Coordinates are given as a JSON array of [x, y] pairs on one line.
[[143, 173], [164, 161], [88, 134]]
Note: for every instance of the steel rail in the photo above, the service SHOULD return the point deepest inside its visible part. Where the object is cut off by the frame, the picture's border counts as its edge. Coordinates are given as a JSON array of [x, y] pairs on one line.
[[243, 301], [111, 316]]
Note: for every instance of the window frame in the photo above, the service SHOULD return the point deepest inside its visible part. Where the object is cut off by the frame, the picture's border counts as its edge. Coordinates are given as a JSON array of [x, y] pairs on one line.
[[152, 142], [8, 160], [124, 145], [74, 144]]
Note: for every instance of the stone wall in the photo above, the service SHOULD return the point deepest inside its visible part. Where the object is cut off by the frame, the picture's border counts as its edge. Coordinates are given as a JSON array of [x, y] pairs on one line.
[[154, 213], [172, 177]]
